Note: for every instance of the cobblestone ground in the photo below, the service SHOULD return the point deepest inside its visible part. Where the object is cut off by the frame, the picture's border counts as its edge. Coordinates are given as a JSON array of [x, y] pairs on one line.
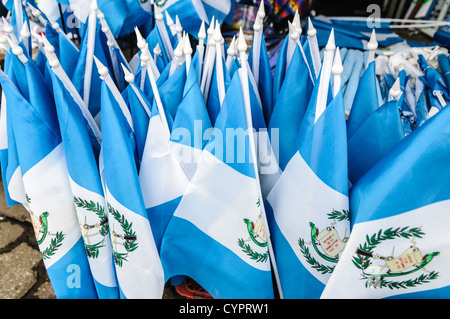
[[23, 274]]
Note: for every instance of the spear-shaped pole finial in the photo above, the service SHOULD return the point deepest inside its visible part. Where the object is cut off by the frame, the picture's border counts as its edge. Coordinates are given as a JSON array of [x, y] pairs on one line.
[[395, 92], [331, 46], [372, 45], [337, 70]]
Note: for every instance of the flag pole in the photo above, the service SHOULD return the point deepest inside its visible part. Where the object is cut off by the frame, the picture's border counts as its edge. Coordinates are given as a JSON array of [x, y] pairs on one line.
[[314, 47], [243, 73], [129, 77], [104, 75], [337, 70], [187, 50], [372, 45], [62, 75], [219, 65], [201, 48], [231, 54], [62, 18]]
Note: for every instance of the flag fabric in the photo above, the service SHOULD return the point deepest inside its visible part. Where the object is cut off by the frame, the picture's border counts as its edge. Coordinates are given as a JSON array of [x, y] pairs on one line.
[[140, 109], [265, 83], [138, 267], [220, 10], [161, 177], [49, 200], [308, 206], [190, 12], [81, 146], [85, 76], [381, 131], [434, 81], [365, 101], [444, 65], [217, 225], [288, 115], [396, 248]]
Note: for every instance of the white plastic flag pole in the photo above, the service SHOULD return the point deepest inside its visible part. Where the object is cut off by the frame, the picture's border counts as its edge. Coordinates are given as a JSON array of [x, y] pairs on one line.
[[324, 84], [158, 101], [209, 32], [178, 28], [10, 30], [232, 52], [293, 37], [187, 50], [104, 75], [219, 64], [257, 35], [170, 23], [243, 74], [298, 28], [314, 48], [163, 31], [208, 66], [62, 75], [201, 49], [92, 27], [337, 70], [142, 44], [19, 14], [178, 53], [129, 77], [372, 45], [156, 53], [25, 35], [110, 36], [35, 12]]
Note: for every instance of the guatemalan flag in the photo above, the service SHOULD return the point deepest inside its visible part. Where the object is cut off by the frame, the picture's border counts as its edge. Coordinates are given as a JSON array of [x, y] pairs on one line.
[[218, 225], [138, 267], [49, 200], [309, 203], [82, 141], [398, 246]]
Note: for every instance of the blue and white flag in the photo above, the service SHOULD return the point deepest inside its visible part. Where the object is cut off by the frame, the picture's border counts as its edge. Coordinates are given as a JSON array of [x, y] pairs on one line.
[[290, 107], [397, 247], [310, 221], [78, 138], [138, 266], [49, 200], [218, 225]]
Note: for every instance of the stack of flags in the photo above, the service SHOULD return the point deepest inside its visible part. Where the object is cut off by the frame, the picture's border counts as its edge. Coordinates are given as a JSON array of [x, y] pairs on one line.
[[327, 178]]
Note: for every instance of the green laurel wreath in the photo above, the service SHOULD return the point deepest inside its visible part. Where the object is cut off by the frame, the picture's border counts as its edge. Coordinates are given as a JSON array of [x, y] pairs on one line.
[[129, 244], [55, 243], [91, 206], [362, 262], [251, 253], [339, 216], [323, 269], [312, 261]]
